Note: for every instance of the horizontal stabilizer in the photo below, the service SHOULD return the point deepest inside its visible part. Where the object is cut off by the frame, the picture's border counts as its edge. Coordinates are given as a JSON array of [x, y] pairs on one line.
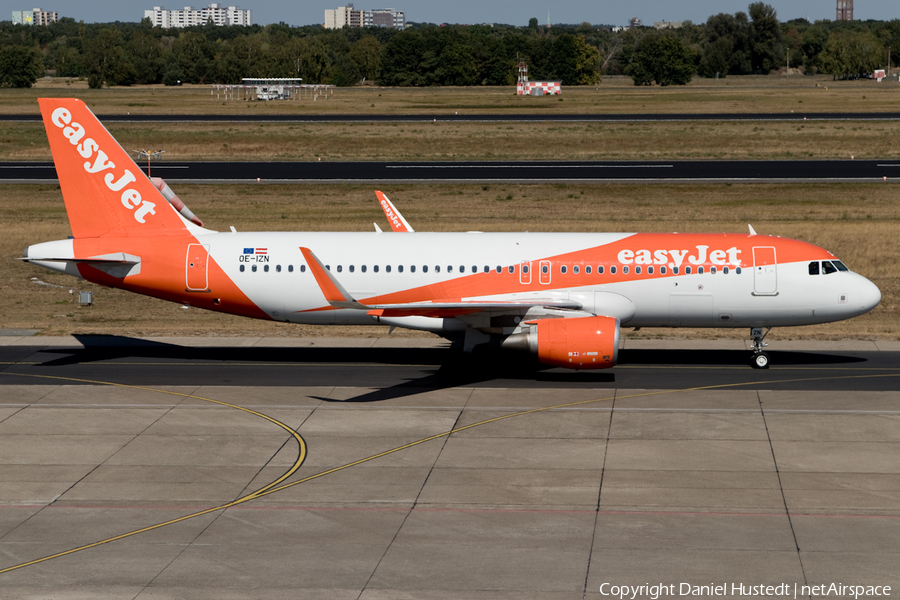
[[117, 264]]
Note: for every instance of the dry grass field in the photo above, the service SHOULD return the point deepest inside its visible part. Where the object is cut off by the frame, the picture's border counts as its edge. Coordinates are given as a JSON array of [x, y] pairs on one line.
[[857, 222], [744, 94], [688, 140], [488, 141]]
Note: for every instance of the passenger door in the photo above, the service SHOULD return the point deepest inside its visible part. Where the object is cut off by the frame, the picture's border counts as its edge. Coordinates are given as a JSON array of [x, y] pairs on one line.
[[197, 267], [765, 271]]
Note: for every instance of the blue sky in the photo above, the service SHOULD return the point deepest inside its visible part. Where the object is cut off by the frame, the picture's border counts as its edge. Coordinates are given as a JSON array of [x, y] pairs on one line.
[[514, 12]]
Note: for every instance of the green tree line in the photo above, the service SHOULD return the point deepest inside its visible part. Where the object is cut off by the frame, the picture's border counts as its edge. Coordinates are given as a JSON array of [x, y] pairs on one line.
[[136, 53]]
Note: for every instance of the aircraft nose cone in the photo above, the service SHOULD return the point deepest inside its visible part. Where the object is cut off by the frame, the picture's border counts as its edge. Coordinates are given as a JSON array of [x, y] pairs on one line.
[[868, 294], [872, 295]]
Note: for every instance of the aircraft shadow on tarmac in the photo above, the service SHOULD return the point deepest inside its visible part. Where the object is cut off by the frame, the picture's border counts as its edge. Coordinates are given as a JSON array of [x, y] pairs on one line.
[[451, 368]]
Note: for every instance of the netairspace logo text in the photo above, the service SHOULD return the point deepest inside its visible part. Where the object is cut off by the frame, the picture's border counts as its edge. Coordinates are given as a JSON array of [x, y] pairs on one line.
[[784, 590]]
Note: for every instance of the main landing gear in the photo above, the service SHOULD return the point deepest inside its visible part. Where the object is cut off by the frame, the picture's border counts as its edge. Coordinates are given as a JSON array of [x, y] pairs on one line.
[[759, 359]]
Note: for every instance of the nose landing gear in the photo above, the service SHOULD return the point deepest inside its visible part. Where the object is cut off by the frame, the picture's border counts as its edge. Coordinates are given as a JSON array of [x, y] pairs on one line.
[[759, 359]]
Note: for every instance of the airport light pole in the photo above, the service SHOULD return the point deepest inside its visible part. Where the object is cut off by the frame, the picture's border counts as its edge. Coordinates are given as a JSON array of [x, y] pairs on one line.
[[148, 154]]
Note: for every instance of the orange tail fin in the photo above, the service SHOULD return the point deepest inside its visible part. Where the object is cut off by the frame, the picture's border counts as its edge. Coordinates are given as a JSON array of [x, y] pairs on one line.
[[106, 193]]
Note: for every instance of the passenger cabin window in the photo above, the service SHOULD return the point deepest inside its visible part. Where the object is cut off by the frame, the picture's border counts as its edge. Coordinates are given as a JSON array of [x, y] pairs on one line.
[[352, 268], [637, 270], [487, 269], [387, 268], [253, 268], [340, 268], [575, 269], [511, 269], [278, 268], [424, 268], [737, 270], [625, 270], [562, 269], [545, 269], [662, 270], [649, 270], [412, 268], [525, 269], [600, 270], [687, 270], [449, 268], [399, 268], [828, 268], [587, 270], [437, 268], [266, 268], [700, 270], [242, 268], [499, 269], [712, 270], [725, 270], [363, 268], [674, 270], [612, 269], [375, 268], [474, 269]]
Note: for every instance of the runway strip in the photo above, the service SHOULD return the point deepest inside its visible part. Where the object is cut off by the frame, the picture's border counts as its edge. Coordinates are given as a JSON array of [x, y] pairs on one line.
[[503, 118], [469, 172], [398, 371]]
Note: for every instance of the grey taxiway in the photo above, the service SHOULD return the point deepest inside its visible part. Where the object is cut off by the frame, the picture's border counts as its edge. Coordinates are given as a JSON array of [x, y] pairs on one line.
[[387, 468]]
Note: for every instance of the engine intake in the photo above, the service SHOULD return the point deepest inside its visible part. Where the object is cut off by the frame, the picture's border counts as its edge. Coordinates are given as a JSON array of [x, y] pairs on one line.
[[576, 343]]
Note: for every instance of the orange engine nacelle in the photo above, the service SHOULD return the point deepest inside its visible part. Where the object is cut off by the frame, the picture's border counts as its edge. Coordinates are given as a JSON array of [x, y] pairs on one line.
[[578, 343]]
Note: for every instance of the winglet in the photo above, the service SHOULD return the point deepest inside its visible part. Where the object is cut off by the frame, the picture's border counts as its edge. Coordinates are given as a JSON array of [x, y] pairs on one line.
[[333, 291], [752, 231], [398, 223]]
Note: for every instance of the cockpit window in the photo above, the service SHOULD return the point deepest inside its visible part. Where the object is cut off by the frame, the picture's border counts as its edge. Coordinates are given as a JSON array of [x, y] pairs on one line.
[[840, 266], [814, 267], [828, 268]]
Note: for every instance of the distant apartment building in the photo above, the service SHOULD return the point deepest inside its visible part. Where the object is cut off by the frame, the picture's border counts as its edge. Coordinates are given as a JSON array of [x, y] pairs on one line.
[[341, 16], [844, 10], [384, 17], [189, 17], [35, 16], [351, 17]]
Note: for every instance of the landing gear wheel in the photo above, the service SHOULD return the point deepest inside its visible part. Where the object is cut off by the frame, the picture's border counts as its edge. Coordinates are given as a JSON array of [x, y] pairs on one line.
[[760, 361]]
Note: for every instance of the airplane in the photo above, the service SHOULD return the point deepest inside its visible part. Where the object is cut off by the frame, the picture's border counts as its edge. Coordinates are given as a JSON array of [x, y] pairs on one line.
[[562, 297]]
